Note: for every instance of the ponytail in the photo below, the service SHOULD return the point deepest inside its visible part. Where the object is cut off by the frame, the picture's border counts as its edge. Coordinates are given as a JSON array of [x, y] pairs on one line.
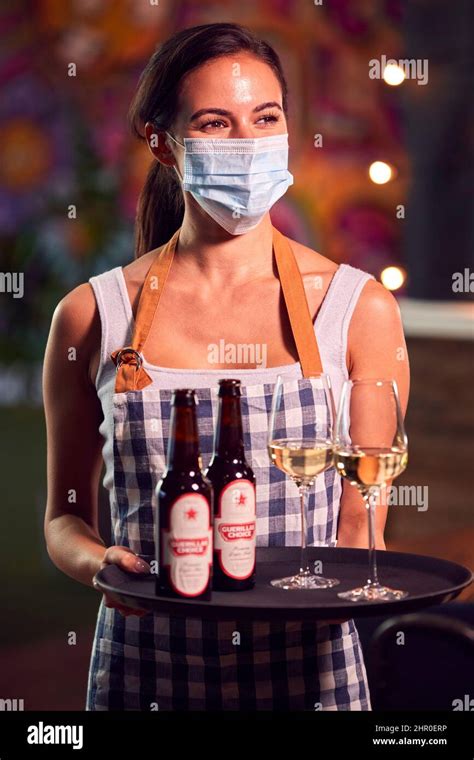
[[160, 209]]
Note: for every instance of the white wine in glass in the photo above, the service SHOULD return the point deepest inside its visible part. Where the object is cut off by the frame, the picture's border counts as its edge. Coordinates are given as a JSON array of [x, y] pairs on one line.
[[302, 459], [370, 449], [370, 466]]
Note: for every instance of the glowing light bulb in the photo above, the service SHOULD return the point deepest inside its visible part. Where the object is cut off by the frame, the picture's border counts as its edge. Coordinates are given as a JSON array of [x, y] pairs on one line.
[[393, 277], [393, 74], [380, 172]]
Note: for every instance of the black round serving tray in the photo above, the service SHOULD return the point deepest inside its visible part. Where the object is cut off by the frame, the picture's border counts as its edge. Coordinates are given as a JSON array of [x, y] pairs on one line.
[[427, 579]]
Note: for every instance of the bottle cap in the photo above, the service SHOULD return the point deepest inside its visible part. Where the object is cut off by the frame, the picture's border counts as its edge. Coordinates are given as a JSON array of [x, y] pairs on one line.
[[229, 387], [183, 397]]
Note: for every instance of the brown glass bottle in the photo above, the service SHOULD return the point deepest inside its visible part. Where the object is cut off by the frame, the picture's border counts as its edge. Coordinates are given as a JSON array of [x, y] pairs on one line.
[[184, 495], [233, 484]]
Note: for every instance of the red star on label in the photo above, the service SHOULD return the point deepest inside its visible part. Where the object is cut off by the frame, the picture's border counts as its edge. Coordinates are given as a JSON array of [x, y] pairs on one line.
[[242, 499], [191, 514]]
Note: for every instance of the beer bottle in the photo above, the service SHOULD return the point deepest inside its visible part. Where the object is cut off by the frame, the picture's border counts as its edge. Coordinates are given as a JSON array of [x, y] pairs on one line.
[[233, 484], [184, 495]]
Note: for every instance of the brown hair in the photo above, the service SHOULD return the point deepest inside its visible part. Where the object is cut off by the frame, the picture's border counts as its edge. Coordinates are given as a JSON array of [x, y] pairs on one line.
[[161, 206]]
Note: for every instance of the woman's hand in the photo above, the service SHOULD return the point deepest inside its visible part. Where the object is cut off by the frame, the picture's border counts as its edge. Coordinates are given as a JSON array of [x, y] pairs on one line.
[[127, 560]]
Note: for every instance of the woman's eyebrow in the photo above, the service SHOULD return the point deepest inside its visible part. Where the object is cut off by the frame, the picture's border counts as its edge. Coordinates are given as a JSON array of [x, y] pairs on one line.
[[223, 112]]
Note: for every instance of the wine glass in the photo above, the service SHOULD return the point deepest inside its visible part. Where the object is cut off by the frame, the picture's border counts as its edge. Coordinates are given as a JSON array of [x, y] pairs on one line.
[[370, 448], [300, 435]]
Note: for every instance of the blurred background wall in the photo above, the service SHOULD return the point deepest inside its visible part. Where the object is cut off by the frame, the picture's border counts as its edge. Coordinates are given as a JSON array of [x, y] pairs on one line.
[[382, 179]]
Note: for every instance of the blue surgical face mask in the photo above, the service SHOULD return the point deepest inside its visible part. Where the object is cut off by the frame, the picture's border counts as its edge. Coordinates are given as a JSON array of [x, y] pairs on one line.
[[236, 181]]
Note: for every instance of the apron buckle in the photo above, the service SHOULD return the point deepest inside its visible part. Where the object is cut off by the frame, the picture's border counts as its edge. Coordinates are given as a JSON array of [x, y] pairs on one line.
[[134, 357]]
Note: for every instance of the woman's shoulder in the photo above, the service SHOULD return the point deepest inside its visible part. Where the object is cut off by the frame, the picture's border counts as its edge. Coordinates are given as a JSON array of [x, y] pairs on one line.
[[310, 261], [76, 318], [77, 309], [374, 301], [76, 323], [137, 269]]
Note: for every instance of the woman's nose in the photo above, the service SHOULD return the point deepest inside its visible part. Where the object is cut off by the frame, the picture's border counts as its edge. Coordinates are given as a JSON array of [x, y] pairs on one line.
[[241, 131]]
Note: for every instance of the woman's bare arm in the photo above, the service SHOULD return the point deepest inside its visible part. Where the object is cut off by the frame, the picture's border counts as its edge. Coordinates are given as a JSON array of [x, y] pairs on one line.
[[73, 415], [376, 348]]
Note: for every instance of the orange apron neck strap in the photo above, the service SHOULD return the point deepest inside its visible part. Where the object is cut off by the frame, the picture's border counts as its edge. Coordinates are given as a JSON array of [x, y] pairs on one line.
[[132, 376], [297, 306]]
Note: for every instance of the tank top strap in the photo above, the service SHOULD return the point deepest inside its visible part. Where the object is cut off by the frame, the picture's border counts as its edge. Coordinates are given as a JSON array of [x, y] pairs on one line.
[[115, 313], [337, 309]]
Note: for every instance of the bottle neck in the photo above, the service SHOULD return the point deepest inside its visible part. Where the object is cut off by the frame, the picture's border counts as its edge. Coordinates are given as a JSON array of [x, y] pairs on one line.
[[229, 437], [183, 444]]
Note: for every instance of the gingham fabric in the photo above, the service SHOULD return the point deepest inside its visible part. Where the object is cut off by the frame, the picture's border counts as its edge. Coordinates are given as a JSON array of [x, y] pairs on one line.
[[158, 662]]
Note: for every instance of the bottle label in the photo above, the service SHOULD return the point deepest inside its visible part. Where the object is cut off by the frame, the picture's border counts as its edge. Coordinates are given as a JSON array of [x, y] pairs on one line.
[[187, 545], [235, 529]]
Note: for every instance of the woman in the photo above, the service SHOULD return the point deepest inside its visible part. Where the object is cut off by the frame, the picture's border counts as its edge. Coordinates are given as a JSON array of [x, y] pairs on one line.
[[205, 210]]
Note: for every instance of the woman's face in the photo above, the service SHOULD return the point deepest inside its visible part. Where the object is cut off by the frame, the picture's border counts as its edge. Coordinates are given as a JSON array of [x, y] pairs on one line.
[[237, 96]]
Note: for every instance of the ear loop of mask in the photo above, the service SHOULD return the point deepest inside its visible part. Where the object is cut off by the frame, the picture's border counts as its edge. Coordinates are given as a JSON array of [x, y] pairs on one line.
[[174, 139], [182, 146], [177, 143]]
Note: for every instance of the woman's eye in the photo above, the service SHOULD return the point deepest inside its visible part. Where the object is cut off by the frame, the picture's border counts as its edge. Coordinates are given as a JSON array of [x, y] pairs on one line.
[[215, 123], [268, 118]]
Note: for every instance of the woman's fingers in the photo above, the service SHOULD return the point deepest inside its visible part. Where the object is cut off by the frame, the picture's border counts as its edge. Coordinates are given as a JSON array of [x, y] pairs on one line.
[[126, 559]]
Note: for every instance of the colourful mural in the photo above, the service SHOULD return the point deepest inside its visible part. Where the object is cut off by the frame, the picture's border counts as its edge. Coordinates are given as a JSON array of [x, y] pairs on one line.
[[64, 142]]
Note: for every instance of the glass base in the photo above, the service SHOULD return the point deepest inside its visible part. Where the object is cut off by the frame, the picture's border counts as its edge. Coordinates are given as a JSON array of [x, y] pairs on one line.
[[373, 592], [304, 581]]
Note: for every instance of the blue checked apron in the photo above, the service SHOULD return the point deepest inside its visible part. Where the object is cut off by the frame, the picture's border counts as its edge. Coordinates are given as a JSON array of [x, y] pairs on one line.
[[158, 662]]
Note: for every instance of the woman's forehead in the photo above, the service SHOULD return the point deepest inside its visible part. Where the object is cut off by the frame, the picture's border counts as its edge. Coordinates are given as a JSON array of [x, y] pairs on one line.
[[229, 83]]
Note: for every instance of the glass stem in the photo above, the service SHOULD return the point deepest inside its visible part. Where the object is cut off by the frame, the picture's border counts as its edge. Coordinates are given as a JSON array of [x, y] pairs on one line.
[[371, 502], [304, 567]]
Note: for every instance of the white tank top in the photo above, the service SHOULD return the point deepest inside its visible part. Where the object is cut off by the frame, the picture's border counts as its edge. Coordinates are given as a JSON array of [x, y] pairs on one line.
[[331, 327]]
